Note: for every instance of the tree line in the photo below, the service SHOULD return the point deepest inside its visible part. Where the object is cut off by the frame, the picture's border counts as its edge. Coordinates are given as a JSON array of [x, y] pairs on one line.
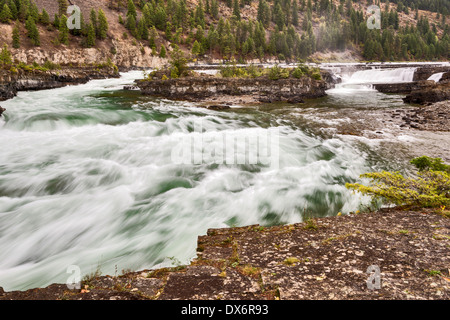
[[286, 29], [26, 13]]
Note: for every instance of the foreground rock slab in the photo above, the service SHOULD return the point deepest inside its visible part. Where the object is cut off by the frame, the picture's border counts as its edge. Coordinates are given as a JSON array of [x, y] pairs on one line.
[[323, 258]]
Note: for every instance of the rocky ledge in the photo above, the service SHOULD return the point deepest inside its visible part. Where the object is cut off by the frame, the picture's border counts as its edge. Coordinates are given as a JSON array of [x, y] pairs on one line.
[[38, 79], [430, 94], [217, 90], [420, 92], [322, 258]]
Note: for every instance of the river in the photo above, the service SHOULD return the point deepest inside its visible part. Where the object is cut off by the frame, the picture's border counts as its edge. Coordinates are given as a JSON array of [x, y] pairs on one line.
[[91, 175]]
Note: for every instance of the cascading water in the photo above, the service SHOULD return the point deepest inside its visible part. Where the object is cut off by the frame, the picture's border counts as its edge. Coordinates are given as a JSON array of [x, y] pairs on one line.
[[382, 76], [87, 178], [436, 77], [363, 80]]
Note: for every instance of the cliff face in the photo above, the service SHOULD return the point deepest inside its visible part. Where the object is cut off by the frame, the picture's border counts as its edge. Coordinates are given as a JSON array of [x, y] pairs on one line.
[[127, 56], [119, 46]]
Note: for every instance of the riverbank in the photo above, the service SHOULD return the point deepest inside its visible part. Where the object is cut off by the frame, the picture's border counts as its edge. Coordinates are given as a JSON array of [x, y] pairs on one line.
[[224, 268], [322, 258], [31, 77]]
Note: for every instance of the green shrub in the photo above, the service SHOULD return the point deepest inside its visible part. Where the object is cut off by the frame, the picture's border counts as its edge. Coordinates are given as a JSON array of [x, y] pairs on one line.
[[174, 73], [254, 71], [316, 75], [277, 72], [51, 65], [427, 163], [430, 188], [297, 73]]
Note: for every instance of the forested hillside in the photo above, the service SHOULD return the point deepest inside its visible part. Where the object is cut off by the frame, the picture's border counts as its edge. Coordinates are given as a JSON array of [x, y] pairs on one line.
[[234, 29]]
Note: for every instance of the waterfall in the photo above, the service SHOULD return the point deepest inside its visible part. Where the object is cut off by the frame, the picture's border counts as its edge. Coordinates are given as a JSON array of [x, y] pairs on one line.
[[382, 76], [436, 77], [363, 80]]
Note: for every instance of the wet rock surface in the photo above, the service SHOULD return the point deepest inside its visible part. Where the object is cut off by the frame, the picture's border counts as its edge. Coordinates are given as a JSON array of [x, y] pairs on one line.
[[324, 258], [406, 130], [435, 117]]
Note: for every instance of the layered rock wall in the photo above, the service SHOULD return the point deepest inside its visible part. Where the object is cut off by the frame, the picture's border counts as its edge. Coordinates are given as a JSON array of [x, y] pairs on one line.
[[266, 90]]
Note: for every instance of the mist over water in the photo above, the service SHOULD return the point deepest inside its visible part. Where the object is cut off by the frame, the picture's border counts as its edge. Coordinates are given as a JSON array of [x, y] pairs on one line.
[[87, 178]]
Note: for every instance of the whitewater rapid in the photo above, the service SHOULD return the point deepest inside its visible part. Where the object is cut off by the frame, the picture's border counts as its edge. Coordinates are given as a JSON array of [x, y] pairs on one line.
[[87, 178]]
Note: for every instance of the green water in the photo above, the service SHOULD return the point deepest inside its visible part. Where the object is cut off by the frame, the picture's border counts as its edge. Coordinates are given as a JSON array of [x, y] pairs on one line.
[[89, 176]]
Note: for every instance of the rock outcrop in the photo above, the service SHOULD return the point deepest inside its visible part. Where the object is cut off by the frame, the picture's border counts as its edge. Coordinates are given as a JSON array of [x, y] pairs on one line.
[[423, 73], [11, 83], [261, 89], [403, 87], [431, 94]]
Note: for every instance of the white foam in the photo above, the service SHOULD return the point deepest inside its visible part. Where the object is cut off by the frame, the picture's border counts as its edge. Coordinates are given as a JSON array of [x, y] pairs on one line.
[[436, 77]]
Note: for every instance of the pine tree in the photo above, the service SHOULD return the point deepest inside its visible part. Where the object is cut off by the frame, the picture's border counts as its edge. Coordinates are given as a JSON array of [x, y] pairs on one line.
[[169, 31], [62, 7], [142, 31], [147, 15], [23, 10], [131, 24], [214, 9], [63, 31], [56, 21], [200, 15], [279, 16], [236, 9], [263, 14], [6, 15], [162, 52], [160, 17], [102, 25], [33, 11], [295, 13], [90, 41], [44, 18], [13, 7], [16, 36], [131, 9], [213, 39], [152, 37], [33, 32], [94, 21], [5, 55]]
